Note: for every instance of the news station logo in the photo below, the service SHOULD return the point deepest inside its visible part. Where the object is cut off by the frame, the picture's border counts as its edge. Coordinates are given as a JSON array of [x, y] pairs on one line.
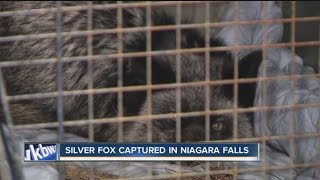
[[40, 152]]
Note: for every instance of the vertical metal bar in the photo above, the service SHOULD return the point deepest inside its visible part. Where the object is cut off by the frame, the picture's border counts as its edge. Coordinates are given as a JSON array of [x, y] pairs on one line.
[[90, 80], [149, 71], [207, 79], [207, 71], [120, 72], [178, 79], [293, 84], [264, 88], [235, 86], [235, 75], [149, 74], [178, 71], [59, 82], [90, 72]]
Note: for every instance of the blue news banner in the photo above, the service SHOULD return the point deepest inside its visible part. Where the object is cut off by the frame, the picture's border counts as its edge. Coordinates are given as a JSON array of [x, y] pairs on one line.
[[142, 152]]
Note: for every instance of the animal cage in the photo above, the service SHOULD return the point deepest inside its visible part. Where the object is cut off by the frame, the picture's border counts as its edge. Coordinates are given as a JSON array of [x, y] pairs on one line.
[[147, 71]]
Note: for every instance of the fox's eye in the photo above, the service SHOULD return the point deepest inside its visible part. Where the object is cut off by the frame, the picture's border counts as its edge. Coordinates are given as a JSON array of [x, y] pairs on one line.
[[217, 126]]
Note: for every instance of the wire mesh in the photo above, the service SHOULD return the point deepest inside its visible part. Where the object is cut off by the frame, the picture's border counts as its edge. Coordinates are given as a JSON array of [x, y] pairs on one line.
[[150, 55]]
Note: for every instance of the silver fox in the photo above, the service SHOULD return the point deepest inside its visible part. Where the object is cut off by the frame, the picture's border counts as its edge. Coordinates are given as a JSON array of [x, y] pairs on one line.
[[41, 78]]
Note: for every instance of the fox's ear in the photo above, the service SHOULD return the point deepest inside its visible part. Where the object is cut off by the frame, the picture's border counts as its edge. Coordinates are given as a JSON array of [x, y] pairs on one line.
[[247, 68], [249, 65]]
